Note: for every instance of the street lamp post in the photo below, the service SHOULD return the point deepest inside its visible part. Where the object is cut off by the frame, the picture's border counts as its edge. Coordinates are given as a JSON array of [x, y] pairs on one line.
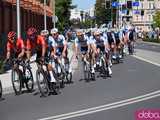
[[18, 19], [45, 16], [53, 5]]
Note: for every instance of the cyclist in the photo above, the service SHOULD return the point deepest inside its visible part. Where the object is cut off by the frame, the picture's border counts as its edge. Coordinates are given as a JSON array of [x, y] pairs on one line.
[[101, 44], [36, 43], [112, 42], [131, 37], [118, 45], [85, 45], [59, 44], [15, 47]]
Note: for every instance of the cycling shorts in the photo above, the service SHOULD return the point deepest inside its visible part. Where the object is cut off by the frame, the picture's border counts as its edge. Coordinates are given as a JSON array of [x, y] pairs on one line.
[[84, 50], [102, 48]]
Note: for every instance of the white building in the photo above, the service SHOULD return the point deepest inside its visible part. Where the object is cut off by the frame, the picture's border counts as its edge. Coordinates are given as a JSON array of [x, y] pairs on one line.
[[150, 7], [91, 11], [75, 14]]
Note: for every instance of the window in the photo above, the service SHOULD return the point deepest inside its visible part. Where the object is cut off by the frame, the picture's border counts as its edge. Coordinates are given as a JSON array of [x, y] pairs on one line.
[[150, 6], [141, 18], [153, 6], [137, 17], [149, 17], [142, 5]]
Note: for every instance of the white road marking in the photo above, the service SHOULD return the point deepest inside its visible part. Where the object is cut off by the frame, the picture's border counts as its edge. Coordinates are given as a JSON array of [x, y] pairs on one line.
[[143, 59], [104, 107]]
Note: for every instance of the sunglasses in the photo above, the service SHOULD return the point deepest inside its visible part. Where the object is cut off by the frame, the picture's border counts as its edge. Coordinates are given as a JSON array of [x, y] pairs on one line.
[[12, 38]]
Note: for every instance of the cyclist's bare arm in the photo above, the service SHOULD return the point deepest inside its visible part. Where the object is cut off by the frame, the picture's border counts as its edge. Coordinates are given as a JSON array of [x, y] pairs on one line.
[[76, 50], [65, 47], [43, 50], [22, 53], [8, 53]]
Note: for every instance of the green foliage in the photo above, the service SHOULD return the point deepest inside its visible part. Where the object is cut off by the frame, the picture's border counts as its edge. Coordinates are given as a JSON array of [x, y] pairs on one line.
[[104, 15], [156, 19], [87, 23], [63, 12]]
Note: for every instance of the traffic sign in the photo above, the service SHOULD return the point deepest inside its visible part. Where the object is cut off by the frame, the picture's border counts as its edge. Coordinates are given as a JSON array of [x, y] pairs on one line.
[[115, 4], [54, 19], [135, 3], [137, 12]]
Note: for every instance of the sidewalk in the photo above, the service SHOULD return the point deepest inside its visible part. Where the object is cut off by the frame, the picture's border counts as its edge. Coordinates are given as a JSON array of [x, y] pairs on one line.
[[150, 43], [6, 77], [148, 56]]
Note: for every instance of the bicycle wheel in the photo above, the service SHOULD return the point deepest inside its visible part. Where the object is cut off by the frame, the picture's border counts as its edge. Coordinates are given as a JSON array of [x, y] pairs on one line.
[[103, 68], [42, 82], [130, 49], [1, 90], [68, 73], [85, 71], [69, 77], [62, 76], [17, 81], [29, 79]]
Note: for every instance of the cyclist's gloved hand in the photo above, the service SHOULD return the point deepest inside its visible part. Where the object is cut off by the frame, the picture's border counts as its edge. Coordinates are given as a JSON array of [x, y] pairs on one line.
[[107, 50], [42, 59], [55, 56], [6, 61], [63, 54]]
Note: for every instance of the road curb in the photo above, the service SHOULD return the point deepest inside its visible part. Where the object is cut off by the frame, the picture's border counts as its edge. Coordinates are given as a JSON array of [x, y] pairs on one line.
[[150, 43]]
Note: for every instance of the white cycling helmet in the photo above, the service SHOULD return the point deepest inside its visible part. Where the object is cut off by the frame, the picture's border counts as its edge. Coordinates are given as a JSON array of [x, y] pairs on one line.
[[44, 32], [54, 30]]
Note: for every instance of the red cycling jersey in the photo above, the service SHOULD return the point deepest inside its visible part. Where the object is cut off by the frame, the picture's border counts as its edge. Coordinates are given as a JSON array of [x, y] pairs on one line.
[[17, 48], [30, 45]]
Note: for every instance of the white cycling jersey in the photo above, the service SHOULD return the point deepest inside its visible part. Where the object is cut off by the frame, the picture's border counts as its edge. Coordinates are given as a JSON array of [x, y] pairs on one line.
[[59, 42], [85, 42]]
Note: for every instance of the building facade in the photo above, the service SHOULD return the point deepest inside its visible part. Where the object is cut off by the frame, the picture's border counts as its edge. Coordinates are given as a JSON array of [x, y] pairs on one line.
[[31, 15], [144, 21], [75, 14]]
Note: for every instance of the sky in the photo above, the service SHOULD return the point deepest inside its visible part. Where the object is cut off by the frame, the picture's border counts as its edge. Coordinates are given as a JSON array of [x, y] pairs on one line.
[[84, 4]]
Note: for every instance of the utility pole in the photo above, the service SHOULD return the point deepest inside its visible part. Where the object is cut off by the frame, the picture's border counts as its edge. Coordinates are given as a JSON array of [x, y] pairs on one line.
[[53, 8], [18, 19], [45, 16]]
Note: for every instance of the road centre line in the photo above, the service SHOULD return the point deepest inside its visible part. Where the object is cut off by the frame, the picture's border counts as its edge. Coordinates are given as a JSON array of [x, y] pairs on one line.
[[104, 107]]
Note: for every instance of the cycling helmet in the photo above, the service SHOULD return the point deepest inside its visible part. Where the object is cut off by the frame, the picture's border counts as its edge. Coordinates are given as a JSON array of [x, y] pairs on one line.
[[44, 32], [31, 31], [97, 33], [11, 35], [54, 30], [79, 33]]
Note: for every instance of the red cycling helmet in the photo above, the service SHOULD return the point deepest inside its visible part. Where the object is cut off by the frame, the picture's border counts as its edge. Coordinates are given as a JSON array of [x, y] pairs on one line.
[[11, 35], [31, 31]]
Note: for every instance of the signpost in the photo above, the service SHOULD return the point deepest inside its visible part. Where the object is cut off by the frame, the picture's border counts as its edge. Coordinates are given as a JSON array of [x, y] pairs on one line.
[[45, 16], [54, 20], [135, 4]]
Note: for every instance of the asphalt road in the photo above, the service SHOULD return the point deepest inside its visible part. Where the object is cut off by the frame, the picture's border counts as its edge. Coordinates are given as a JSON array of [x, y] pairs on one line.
[[145, 46], [130, 79]]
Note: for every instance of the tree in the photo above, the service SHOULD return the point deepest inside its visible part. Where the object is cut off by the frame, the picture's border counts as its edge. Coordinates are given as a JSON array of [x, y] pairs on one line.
[[62, 8], [103, 14], [156, 23], [156, 19]]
